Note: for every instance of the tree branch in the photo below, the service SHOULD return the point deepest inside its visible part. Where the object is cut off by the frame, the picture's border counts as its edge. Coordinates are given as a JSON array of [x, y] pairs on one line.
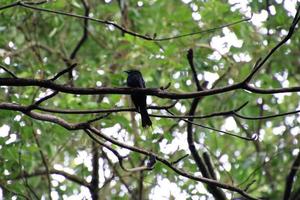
[[190, 57], [45, 163], [213, 189], [68, 176], [290, 178], [214, 129], [85, 29], [22, 82], [209, 165], [7, 71], [59, 74], [83, 126], [83, 38], [120, 158], [259, 63], [113, 110], [119, 27], [95, 171], [170, 165]]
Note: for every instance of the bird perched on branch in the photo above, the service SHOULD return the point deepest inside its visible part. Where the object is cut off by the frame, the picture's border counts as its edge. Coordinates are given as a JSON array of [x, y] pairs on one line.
[[135, 80]]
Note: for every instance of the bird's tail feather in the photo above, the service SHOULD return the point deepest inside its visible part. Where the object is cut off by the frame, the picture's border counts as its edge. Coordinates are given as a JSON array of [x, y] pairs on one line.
[[146, 121]]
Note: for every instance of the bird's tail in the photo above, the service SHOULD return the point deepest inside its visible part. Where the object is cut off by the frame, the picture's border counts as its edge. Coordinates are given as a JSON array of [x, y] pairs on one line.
[[146, 121]]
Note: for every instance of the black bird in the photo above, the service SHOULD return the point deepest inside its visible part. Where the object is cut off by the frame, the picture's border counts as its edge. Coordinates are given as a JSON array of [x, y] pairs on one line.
[[135, 80]]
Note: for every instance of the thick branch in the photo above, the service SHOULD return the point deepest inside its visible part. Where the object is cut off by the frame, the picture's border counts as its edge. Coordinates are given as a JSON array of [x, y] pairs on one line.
[[170, 165], [120, 158], [209, 165], [22, 82], [216, 192], [190, 57], [71, 126], [290, 178], [43, 117], [95, 171]]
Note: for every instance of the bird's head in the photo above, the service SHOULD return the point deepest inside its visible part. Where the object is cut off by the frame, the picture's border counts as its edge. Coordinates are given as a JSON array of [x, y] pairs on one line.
[[132, 71]]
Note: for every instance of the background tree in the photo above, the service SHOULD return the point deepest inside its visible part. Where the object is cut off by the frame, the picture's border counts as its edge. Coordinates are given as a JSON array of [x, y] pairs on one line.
[[222, 82]]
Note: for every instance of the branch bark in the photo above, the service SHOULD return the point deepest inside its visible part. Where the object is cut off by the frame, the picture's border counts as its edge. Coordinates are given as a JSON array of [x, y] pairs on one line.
[[213, 189], [95, 172], [290, 178], [68, 176]]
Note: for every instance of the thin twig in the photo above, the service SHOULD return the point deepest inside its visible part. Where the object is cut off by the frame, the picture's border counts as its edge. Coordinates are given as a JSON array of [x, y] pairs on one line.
[[38, 102], [45, 98], [34, 45], [291, 31], [113, 110], [179, 159], [45, 163], [98, 118], [9, 72], [24, 4], [267, 116], [214, 129], [24, 179], [59, 74]]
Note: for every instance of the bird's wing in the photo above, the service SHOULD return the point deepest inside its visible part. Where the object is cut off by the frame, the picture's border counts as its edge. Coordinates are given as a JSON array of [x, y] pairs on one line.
[[142, 83]]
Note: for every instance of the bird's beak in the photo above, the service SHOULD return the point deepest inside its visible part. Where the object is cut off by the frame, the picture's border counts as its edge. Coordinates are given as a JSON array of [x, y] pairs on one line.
[[126, 71]]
